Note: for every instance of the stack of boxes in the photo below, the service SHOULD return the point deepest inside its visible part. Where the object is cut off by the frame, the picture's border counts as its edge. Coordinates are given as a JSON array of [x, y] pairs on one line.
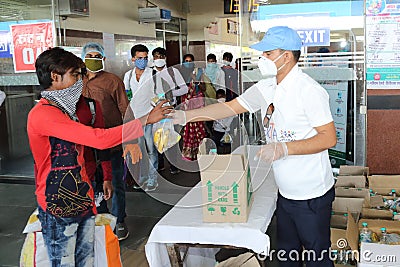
[[360, 198]]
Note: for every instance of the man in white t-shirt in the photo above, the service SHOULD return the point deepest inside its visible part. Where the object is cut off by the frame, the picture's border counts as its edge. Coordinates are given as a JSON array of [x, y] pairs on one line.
[[300, 129], [139, 81]]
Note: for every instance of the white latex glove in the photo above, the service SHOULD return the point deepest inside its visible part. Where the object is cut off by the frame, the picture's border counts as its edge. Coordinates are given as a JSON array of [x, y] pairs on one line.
[[178, 117], [273, 151]]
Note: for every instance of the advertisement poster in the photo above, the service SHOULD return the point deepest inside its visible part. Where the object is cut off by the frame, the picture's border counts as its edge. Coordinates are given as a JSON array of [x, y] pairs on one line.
[[383, 44], [338, 92], [28, 41]]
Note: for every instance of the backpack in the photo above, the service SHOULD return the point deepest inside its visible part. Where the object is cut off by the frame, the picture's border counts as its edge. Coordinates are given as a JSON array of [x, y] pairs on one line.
[[168, 95], [92, 106], [231, 83]]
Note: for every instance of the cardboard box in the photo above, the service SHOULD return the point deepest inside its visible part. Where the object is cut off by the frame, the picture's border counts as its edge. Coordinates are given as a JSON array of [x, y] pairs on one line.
[[348, 205], [375, 254], [368, 213], [357, 181], [226, 186], [346, 238], [383, 184], [353, 170], [354, 193]]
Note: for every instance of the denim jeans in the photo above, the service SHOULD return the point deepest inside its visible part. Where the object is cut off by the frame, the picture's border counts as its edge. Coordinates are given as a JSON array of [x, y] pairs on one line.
[[69, 241], [149, 162], [118, 199]]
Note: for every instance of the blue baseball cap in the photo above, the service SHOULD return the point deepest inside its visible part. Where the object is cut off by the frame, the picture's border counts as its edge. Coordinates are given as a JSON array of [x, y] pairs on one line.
[[279, 37]]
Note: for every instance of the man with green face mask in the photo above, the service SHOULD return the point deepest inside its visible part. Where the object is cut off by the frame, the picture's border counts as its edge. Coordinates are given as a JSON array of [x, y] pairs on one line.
[[108, 89]]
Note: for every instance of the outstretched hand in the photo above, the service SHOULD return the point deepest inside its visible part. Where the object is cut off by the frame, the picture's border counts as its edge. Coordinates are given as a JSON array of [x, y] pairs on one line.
[[157, 113], [273, 151], [178, 117]]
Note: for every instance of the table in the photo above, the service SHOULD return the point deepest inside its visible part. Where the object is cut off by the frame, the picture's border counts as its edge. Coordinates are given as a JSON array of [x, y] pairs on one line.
[[183, 223]]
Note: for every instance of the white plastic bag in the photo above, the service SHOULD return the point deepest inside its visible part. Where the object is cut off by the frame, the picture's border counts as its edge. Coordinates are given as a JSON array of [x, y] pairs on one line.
[[164, 135]]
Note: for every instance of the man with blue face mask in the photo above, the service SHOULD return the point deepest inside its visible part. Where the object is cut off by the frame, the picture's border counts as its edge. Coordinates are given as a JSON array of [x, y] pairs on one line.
[[300, 130], [214, 73], [109, 90], [139, 81]]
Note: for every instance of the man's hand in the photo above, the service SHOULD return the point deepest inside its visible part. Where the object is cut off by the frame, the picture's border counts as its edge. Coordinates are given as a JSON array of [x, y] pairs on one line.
[[108, 189], [273, 151], [134, 151], [178, 117], [157, 113]]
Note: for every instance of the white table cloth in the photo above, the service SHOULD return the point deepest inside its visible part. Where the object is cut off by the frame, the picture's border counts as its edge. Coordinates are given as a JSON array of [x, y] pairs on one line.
[[183, 223]]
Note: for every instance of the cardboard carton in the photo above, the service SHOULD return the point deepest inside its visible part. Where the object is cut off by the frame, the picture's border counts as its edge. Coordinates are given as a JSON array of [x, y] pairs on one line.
[[368, 213], [357, 181], [354, 193], [226, 186], [353, 170], [348, 205], [375, 254], [383, 184], [345, 238]]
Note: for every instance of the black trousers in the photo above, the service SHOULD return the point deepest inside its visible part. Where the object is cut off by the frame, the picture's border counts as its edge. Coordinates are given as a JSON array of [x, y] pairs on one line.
[[305, 224]]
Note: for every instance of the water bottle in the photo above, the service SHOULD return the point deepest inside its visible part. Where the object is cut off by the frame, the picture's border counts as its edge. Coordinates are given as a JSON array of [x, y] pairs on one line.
[[213, 151], [129, 94], [393, 194], [365, 234], [371, 193], [384, 238]]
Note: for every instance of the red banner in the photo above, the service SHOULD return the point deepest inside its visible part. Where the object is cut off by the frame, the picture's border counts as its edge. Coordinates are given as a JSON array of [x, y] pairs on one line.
[[29, 40]]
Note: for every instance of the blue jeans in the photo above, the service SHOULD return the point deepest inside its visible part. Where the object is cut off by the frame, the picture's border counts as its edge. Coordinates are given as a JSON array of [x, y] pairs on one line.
[[69, 241], [118, 199], [149, 162]]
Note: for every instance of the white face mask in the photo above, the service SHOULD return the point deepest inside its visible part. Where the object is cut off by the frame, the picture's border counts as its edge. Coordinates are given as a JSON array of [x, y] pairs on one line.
[[221, 100], [159, 63], [267, 66], [226, 63]]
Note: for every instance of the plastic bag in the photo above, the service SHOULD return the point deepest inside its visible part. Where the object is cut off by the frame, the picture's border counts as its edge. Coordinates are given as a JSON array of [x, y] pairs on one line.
[[164, 96], [226, 139], [164, 135]]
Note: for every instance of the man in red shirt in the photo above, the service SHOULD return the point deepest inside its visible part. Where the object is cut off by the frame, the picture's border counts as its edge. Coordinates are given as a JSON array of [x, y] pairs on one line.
[[63, 188]]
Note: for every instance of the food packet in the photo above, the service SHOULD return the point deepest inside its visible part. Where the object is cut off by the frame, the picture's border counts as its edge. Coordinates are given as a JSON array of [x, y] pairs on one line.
[[159, 97], [226, 139], [164, 135]]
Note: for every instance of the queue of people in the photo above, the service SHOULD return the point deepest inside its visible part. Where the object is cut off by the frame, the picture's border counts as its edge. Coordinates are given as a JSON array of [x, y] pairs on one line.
[[77, 128]]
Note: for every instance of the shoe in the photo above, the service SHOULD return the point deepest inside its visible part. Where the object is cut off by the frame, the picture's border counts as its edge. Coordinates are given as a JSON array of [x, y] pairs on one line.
[[121, 230], [137, 186], [151, 187], [173, 172]]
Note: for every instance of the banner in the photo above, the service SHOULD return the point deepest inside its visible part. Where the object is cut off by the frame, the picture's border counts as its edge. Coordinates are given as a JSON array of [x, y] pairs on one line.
[[29, 40], [383, 44]]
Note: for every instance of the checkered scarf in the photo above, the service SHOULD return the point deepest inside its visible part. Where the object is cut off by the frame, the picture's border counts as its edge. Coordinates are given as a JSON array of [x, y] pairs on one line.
[[67, 98]]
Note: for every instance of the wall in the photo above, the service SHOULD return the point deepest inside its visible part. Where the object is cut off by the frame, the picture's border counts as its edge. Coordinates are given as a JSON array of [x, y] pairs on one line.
[[121, 17], [383, 131], [200, 14]]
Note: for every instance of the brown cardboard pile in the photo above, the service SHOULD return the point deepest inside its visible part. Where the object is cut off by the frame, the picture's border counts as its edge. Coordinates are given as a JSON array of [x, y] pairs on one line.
[[350, 184], [351, 195], [226, 186]]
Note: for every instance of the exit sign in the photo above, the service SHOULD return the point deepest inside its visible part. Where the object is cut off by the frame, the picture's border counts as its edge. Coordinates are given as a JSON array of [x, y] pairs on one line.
[[234, 6]]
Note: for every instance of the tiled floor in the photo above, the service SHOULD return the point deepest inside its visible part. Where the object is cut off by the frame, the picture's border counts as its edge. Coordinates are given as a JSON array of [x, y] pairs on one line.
[[17, 202]]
